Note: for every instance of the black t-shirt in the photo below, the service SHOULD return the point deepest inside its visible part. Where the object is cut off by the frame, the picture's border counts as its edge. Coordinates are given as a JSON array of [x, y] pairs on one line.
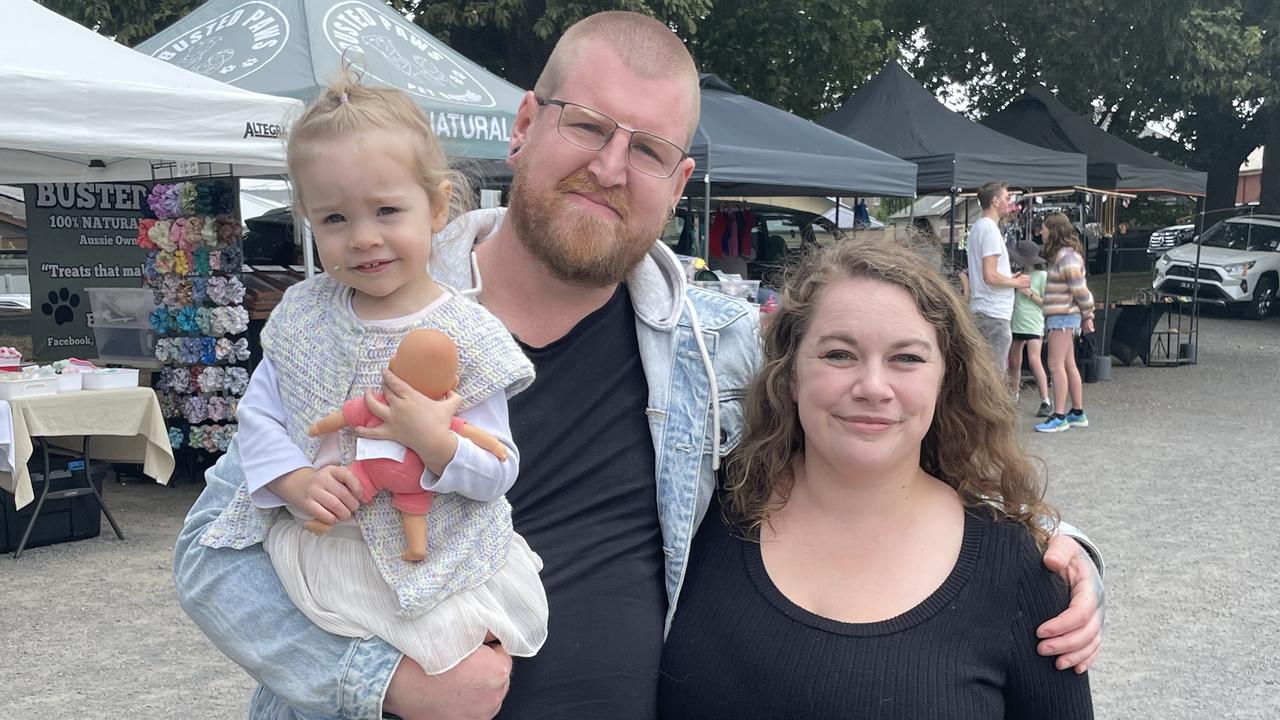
[[739, 649], [586, 501]]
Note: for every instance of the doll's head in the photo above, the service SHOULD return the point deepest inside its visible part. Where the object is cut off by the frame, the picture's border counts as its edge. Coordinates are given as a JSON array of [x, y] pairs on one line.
[[427, 360]]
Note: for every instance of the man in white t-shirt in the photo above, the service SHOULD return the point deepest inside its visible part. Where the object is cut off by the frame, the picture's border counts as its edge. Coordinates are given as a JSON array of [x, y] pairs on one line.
[[992, 284]]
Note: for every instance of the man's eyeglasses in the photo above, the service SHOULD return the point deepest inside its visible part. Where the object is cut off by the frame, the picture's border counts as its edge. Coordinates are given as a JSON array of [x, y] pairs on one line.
[[592, 130]]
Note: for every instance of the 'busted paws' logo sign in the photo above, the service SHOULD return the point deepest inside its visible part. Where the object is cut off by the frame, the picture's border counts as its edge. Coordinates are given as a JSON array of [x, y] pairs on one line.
[[231, 46]]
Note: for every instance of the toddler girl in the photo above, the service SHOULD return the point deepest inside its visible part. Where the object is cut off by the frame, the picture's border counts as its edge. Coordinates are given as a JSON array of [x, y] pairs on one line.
[[372, 181]]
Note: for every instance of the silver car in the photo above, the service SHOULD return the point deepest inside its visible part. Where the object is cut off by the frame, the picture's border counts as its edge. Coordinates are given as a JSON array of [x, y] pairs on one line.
[[1239, 265]]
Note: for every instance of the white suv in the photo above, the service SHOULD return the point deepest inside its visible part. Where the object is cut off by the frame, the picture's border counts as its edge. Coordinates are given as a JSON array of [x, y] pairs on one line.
[[1239, 264], [1168, 238]]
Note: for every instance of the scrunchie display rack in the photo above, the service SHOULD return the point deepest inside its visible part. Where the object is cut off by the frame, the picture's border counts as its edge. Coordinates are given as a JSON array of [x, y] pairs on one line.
[[193, 267]]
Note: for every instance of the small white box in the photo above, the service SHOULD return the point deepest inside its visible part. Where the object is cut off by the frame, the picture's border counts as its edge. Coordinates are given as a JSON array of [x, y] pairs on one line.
[[70, 382], [29, 388], [111, 379]]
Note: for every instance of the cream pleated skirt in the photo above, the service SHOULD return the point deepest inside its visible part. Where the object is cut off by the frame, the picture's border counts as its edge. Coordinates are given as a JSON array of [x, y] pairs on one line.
[[333, 580]]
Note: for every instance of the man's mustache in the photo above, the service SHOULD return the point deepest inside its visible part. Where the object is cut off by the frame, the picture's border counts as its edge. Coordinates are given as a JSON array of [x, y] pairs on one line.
[[615, 198]]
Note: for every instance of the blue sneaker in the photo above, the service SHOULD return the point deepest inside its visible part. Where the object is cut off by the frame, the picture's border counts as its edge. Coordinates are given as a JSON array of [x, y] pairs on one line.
[[1077, 419], [1053, 424]]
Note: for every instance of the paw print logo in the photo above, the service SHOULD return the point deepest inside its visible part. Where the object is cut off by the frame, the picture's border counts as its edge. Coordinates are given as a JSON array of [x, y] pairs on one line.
[[61, 306]]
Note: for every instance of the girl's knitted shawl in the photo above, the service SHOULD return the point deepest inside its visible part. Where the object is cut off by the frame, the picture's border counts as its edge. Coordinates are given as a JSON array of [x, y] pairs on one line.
[[324, 356]]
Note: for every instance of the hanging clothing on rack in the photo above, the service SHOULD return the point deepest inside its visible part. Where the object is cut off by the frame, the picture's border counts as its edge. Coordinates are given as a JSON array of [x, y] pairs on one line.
[[746, 226]]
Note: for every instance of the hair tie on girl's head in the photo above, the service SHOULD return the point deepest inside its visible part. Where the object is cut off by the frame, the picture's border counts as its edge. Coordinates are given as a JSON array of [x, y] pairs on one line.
[[342, 99]]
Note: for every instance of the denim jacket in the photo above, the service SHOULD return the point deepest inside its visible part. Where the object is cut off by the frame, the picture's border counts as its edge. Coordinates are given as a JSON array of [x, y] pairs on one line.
[[699, 350]]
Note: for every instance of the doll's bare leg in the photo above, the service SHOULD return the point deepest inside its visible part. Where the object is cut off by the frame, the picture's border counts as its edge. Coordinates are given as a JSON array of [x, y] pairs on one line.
[[415, 536], [318, 527]]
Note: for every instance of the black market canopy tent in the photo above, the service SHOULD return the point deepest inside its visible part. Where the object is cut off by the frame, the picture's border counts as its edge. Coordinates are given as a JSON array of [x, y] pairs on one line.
[[1038, 117], [745, 147], [292, 48], [896, 114], [81, 108]]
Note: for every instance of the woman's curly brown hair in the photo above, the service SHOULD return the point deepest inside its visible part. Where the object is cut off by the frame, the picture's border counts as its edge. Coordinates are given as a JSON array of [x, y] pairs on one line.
[[972, 443]]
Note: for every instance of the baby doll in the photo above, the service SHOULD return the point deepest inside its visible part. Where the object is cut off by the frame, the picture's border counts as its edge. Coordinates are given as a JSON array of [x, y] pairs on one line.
[[428, 361]]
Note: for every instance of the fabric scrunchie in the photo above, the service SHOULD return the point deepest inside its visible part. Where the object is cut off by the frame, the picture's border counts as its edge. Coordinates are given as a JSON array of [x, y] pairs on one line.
[[144, 234]]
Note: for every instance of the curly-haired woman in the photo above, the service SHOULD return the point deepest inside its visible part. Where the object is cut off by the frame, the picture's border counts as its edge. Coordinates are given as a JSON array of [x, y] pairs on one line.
[[878, 550]]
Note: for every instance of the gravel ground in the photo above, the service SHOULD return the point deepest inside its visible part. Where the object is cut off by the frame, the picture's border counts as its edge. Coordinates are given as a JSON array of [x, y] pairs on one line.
[[1175, 480]]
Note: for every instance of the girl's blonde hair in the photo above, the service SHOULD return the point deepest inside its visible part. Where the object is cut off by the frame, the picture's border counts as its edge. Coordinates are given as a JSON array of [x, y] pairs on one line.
[[1061, 234], [972, 443], [345, 107]]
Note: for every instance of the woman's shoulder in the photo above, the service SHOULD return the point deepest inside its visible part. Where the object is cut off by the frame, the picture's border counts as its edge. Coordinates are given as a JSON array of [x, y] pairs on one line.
[[1016, 564]]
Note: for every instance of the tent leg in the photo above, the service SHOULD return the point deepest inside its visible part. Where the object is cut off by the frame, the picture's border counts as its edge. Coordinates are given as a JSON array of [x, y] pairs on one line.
[[1194, 332], [837, 232], [952, 224], [308, 252], [1031, 211], [706, 217], [691, 217], [1084, 224]]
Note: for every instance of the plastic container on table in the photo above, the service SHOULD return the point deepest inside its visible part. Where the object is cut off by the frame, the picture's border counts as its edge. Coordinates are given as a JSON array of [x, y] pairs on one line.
[[110, 379], [28, 388], [122, 324], [70, 382], [748, 290]]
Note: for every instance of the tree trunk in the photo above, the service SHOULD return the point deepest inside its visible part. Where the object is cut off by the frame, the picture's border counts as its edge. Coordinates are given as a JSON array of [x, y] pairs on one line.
[[1224, 175], [1269, 199], [526, 52], [1222, 144]]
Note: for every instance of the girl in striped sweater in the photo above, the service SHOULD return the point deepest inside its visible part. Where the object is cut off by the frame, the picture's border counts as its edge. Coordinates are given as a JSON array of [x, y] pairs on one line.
[[1068, 310]]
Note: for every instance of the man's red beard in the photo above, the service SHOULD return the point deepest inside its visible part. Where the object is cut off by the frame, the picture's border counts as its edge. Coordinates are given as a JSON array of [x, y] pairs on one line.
[[577, 246]]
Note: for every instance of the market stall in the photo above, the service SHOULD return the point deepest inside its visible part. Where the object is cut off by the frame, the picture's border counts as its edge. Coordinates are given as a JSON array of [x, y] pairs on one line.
[[1115, 167], [102, 135], [743, 147], [896, 114]]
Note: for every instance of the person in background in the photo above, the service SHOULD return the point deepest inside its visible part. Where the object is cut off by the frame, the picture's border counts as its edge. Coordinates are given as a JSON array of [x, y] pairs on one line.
[[991, 282], [1068, 311], [1027, 324]]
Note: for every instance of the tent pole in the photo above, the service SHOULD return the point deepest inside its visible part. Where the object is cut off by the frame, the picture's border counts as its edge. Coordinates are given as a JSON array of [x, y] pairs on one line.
[[1106, 302], [1031, 210], [1194, 332], [1084, 224], [706, 217], [689, 217], [308, 252], [952, 224], [837, 232]]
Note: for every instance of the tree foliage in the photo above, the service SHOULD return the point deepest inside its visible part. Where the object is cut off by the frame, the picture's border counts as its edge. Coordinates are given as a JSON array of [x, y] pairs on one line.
[[805, 56], [1125, 63], [129, 22], [1210, 69], [514, 39]]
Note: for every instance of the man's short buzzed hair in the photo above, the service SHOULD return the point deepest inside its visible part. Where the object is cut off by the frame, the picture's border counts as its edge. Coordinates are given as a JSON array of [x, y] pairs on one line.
[[646, 46], [988, 192]]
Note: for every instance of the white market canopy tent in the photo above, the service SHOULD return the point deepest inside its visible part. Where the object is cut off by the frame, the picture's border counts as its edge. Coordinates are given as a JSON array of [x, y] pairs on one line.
[[79, 107]]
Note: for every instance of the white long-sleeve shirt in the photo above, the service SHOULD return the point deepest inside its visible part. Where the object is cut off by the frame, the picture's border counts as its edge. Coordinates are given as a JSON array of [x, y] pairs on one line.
[[267, 452]]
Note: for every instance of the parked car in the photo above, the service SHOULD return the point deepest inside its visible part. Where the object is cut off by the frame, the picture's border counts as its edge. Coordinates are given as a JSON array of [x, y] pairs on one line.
[[1168, 238], [1239, 265]]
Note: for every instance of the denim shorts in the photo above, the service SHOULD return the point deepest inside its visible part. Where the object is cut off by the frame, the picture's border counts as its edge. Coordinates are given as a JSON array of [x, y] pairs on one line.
[[1063, 322]]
